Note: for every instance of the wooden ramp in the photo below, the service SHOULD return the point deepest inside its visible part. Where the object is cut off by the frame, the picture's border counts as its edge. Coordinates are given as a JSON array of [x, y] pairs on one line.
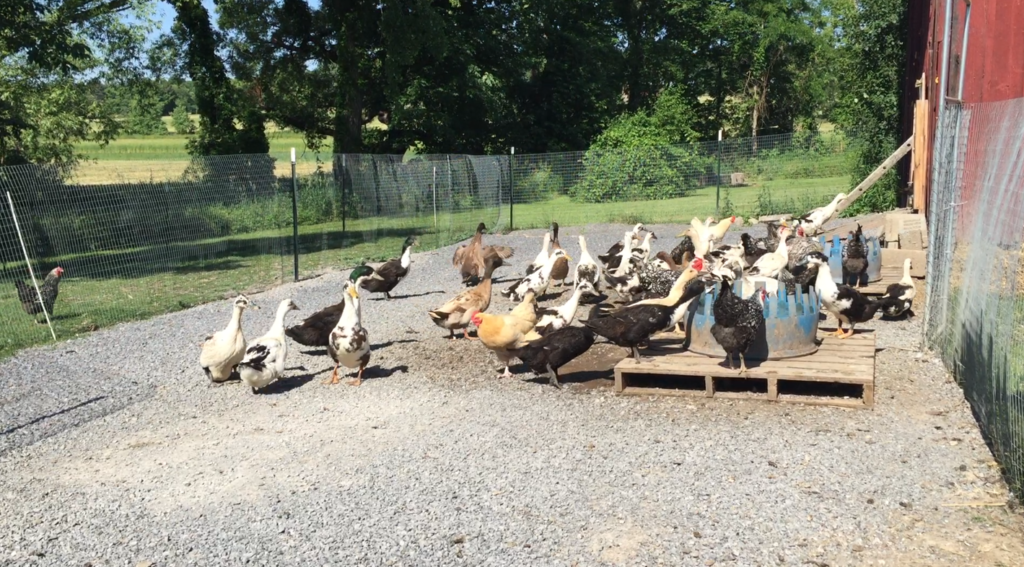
[[841, 373]]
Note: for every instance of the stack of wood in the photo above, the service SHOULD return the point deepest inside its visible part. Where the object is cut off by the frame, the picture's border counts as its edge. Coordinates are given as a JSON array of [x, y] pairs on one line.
[[905, 235]]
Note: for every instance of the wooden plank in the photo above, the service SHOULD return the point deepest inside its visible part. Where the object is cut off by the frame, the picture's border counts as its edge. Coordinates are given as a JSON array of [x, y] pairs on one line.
[[877, 174], [873, 225], [893, 259], [911, 240], [855, 367], [851, 403], [638, 391], [922, 118], [753, 372]]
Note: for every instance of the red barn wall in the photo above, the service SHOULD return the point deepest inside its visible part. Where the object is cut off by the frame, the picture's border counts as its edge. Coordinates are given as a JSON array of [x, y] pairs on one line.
[[994, 67]]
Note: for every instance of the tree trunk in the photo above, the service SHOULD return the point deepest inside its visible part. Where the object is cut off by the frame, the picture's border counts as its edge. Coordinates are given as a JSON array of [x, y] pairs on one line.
[[348, 111]]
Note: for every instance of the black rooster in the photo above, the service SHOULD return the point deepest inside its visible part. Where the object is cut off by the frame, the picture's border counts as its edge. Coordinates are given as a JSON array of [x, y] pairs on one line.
[[855, 258], [736, 321], [679, 253], [554, 350], [30, 301], [753, 248]]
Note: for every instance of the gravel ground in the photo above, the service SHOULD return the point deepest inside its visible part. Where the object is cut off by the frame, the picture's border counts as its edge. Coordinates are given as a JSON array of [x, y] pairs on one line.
[[115, 450]]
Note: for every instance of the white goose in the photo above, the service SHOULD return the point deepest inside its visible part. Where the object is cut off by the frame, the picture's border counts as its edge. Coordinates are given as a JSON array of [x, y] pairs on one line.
[[899, 297], [264, 358], [644, 250], [223, 350], [812, 222], [772, 263]]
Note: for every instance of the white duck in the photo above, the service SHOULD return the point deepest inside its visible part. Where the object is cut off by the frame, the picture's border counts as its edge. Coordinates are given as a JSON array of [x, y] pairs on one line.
[[349, 344], [899, 297], [586, 269], [813, 221], [537, 282], [542, 256], [264, 359], [644, 250], [563, 316], [772, 263], [223, 350]]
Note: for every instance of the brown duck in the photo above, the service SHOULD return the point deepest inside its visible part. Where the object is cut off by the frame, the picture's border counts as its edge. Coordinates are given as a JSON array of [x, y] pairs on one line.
[[561, 269], [472, 258], [458, 312]]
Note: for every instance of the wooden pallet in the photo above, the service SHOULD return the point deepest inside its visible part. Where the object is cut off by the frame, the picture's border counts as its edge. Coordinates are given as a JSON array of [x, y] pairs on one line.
[[846, 364], [890, 275]]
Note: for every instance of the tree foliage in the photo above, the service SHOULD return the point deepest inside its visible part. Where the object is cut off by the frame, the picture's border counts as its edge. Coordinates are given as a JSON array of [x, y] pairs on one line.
[[875, 49], [469, 76], [219, 103], [54, 57]]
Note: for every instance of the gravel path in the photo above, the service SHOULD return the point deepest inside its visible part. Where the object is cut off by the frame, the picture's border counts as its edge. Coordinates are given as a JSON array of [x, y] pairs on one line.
[[116, 451]]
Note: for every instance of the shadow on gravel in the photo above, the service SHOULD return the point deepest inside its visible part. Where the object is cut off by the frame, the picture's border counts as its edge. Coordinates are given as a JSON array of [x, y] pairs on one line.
[[288, 384], [52, 415], [378, 372], [389, 343], [408, 295]]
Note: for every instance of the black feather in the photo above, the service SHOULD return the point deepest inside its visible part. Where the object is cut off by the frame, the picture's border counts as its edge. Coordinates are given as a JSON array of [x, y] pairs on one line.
[[736, 320], [555, 349], [256, 357]]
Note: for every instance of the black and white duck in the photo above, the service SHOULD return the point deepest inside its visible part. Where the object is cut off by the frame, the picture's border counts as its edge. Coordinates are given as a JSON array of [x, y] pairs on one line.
[[384, 278], [845, 303]]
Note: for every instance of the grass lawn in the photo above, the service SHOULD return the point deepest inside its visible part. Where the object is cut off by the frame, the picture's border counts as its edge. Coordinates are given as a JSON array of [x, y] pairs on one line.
[[789, 195]]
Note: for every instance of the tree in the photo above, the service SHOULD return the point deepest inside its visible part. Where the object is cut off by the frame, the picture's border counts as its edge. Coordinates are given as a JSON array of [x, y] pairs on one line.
[[219, 103], [874, 57], [181, 121], [53, 56]]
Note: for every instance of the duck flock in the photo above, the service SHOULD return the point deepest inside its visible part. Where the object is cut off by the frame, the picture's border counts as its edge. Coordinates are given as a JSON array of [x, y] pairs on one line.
[[651, 295]]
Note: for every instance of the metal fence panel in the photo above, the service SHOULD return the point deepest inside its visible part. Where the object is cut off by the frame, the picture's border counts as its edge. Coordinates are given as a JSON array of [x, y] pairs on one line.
[[751, 176], [975, 308], [139, 240]]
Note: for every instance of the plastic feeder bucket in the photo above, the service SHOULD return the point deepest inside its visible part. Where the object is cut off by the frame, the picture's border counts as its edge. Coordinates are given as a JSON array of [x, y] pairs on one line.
[[834, 250], [789, 330]]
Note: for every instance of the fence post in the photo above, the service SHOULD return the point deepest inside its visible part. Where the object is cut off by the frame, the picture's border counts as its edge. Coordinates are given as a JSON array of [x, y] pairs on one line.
[[511, 186], [433, 189], [718, 176], [295, 218], [28, 264], [344, 202]]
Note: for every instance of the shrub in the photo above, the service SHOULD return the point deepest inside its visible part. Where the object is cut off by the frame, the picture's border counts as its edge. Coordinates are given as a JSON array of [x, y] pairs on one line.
[[639, 174], [537, 181], [182, 122]]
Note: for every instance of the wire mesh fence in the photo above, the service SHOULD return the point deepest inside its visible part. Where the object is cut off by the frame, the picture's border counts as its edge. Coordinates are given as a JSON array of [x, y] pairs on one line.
[[975, 309], [766, 175], [135, 240]]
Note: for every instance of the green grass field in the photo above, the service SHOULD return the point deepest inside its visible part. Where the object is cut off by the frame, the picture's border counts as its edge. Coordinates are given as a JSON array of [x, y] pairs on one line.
[[133, 287]]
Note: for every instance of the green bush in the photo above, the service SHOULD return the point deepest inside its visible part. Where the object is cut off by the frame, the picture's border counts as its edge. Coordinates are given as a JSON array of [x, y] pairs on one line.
[[181, 121], [536, 182], [640, 174]]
